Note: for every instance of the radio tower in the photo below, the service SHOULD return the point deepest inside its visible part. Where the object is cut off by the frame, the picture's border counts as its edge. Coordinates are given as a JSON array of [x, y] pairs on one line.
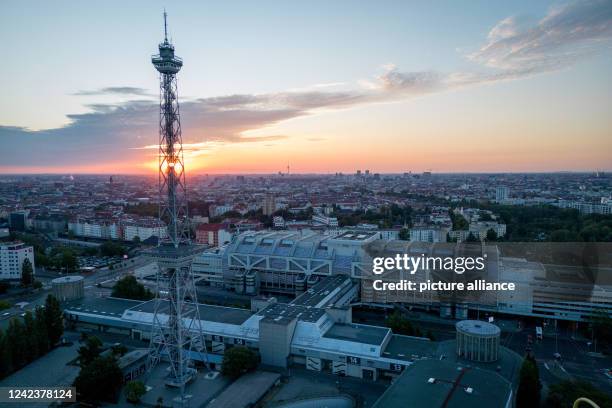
[[176, 334]]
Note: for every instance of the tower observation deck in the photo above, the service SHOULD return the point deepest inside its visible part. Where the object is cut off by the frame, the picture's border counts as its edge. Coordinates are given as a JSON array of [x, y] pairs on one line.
[[176, 330]]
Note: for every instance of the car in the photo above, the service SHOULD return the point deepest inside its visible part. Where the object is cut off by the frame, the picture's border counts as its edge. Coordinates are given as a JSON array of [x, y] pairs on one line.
[[6, 314], [557, 356]]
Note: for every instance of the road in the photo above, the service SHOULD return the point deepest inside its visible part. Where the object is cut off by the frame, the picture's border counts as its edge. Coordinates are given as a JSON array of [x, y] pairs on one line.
[[101, 276], [577, 361]]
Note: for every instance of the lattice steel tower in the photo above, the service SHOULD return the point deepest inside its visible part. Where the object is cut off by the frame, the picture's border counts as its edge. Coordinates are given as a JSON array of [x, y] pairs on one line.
[[176, 333]]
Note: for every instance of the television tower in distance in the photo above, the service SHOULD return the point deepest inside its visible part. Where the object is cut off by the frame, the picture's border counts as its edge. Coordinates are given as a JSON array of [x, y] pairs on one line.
[[176, 334]]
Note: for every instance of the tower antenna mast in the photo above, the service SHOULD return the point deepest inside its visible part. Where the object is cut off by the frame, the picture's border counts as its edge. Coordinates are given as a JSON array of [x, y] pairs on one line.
[[176, 333]]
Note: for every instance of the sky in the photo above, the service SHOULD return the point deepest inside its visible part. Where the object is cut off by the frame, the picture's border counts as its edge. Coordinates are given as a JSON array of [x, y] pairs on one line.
[[324, 87]]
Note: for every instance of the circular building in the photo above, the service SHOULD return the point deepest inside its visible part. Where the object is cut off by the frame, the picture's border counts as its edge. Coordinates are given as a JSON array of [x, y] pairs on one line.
[[478, 341], [68, 287]]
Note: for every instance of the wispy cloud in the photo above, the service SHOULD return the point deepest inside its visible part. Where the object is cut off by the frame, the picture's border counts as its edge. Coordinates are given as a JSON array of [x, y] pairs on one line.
[[565, 35], [115, 90], [513, 49]]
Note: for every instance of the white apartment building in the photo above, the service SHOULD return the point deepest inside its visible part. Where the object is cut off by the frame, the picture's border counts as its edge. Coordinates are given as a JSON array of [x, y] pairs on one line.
[[481, 228], [95, 229], [12, 256], [428, 234], [324, 220], [502, 194], [586, 208], [219, 210], [389, 234], [144, 229]]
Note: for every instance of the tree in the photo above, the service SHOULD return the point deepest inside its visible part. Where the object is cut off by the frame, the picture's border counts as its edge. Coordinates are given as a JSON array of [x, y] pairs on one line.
[[100, 380], [90, 351], [15, 338], [134, 390], [471, 238], [54, 319], [459, 222], [31, 342], [602, 326], [491, 235], [129, 288], [27, 273], [6, 359], [40, 331], [136, 240], [399, 324], [68, 260], [528, 392], [238, 360], [5, 305], [404, 234], [564, 394], [110, 248]]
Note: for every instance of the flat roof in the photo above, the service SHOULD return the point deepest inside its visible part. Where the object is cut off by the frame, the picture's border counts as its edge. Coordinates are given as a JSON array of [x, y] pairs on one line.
[[478, 327], [291, 311], [71, 278], [434, 383], [358, 332], [103, 306], [314, 295], [409, 348], [218, 314], [356, 235]]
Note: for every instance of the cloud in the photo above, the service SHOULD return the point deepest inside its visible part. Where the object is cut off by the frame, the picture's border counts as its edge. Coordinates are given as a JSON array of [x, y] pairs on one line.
[[564, 36], [115, 90], [514, 48]]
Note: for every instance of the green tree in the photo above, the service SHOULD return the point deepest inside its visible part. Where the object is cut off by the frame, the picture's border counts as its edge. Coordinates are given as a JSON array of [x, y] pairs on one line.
[[54, 319], [399, 324], [90, 351], [6, 359], [562, 235], [134, 390], [68, 260], [4, 304], [129, 288], [602, 326], [491, 235], [238, 360], [100, 380], [528, 392], [110, 248], [564, 394], [459, 222], [31, 343], [471, 238], [404, 234], [27, 273], [16, 340], [40, 331]]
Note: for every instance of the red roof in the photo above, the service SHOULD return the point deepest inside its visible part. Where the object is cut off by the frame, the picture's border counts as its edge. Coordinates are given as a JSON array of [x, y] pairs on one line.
[[210, 227]]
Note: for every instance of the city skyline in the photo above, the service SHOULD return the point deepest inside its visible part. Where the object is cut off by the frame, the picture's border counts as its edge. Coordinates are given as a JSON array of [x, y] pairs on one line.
[[455, 88]]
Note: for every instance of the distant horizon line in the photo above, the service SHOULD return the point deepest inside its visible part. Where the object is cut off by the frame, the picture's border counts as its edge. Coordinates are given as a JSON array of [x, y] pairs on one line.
[[314, 173]]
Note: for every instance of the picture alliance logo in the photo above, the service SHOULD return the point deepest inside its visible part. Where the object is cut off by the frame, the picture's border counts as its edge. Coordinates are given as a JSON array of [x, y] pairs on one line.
[[412, 264]]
